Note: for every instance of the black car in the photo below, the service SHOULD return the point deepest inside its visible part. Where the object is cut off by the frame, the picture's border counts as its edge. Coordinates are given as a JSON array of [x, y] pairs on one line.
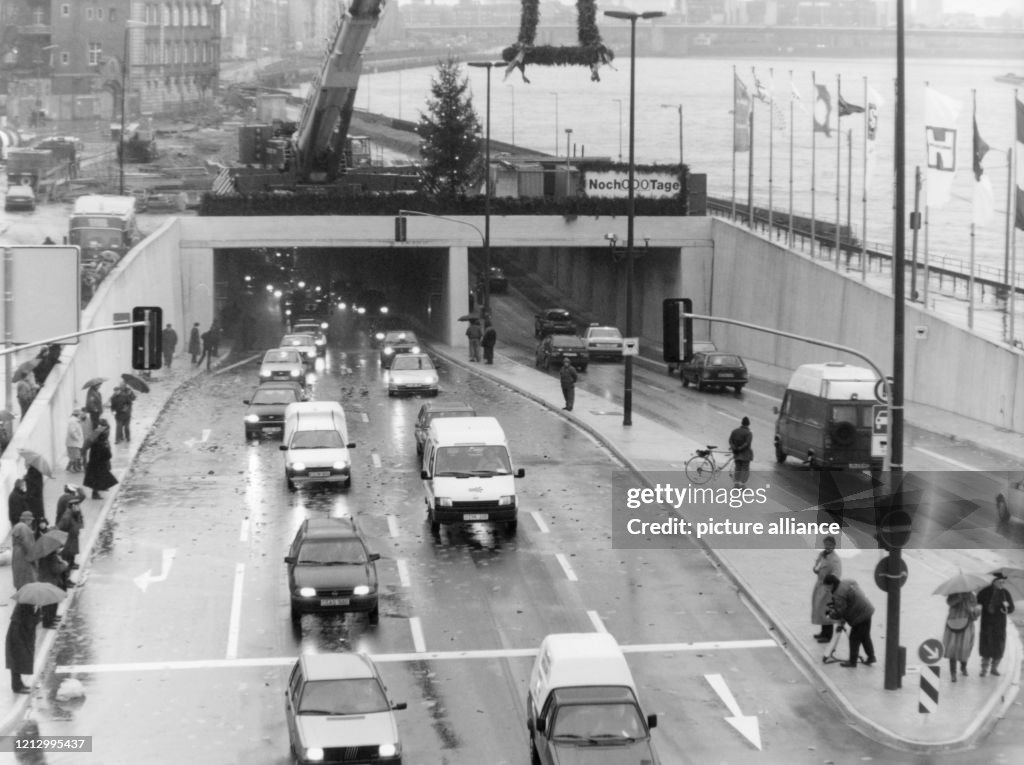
[[330, 570], [266, 405], [431, 411], [554, 348], [397, 341], [714, 370], [498, 281], [553, 321]]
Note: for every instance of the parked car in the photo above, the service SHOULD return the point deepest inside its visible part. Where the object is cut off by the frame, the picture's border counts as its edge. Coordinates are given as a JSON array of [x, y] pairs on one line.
[[20, 198], [699, 346], [434, 409], [330, 570], [1010, 501], [264, 414], [397, 341], [553, 321], [283, 364], [304, 344], [554, 348], [412, 373], [338, 710], [714, 370], [603, 342], [498, 281]]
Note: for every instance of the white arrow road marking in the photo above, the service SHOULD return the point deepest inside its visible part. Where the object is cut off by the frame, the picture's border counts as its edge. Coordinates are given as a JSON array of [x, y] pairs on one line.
[[745, 724], [142, 581], [205, 436]]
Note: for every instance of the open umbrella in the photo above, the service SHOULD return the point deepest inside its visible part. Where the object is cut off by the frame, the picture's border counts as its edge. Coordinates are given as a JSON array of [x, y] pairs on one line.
[[134, 382], [6, 415], [54, 539], [94, 382], [24, 368], [1014, 581], [961, 583], [36, 460], [39, 594], [470, 317]]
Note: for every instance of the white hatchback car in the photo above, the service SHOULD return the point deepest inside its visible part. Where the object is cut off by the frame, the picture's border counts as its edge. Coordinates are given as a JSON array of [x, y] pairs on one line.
[[283, 364], [304, 344], [603, 342], [412, 373]]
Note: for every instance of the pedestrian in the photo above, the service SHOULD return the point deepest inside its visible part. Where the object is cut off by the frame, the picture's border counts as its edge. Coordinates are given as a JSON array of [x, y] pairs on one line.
[[215, 338], [71, 522], [5, 434], [34, 493], [474, 333], [958, 633], [487, 342], [850, 605], [20, 648], [26, 391], [995, 603], [74, 440], [94, 403], [48, 358], [740, 442], [88, 431], [97, 471], [568, 377], [17, 501], [71, 494], [826, 564], [121, 405], [52, 570], [209, 346], [23, 546], [194, 346], [169, 340]]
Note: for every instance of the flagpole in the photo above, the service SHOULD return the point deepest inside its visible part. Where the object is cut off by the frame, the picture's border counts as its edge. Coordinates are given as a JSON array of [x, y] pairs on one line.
[[771, 148], [970, 274], [864, 192], [734, 142], [1008, 316], [789, 240], [839, 164], [814, 95], [927, 202], [750, 170]]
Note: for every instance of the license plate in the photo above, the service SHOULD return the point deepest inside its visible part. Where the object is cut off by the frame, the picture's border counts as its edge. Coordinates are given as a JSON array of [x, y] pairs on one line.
[[860, 465], [319, 473], [272, 428], [475, 517], [725, 375], [325, 602]]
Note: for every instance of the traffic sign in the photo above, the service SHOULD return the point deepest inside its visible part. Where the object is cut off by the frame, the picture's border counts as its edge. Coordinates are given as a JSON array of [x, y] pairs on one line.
[[884, 579], [880, 386], [880, 419], [930, 651], [631, 346]]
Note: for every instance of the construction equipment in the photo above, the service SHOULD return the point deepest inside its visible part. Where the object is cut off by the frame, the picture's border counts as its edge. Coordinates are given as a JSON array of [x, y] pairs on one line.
[[46, 171]]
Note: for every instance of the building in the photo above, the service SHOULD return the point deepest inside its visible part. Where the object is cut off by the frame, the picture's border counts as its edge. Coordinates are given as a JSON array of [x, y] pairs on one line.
[[70, 60]]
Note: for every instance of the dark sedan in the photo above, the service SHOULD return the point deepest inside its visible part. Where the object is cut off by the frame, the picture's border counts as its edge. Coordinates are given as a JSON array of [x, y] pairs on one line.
[[265, 412], [553, 321], [554, 348], [714, 370]]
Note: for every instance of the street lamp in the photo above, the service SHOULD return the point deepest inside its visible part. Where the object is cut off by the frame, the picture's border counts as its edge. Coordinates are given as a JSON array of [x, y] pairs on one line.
[[553, 93], [488, 65], [631, 16], [568, 139], [128, 25], [619, 102], [679, 107]]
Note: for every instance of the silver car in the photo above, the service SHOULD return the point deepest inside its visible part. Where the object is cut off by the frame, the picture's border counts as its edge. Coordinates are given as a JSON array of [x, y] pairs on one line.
[[283, 364]]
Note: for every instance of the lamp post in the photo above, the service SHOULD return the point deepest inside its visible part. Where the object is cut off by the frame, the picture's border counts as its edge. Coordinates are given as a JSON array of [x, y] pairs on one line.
[[553, 93], [128, 25], [619, 102], [488, 65], [631, 16], [678, 107]]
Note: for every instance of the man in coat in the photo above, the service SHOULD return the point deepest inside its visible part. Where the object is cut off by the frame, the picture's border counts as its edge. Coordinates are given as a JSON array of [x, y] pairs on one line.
[[487, 342], [567, 377], [740, 442], [34, 493], [851, 605], [121, 405], [995, 604], [17, 502], [71, 522], [23, 545], [20, 646], [474, 333], [94, 404], [194, 343], [169, 341]]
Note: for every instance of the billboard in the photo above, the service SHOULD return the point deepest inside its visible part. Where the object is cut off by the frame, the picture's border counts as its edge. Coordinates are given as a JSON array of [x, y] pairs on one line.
[[614, 184]]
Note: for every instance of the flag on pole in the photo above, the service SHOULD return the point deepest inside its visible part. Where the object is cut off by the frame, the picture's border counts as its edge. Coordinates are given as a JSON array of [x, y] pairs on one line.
[[1018, 153], [875, 102], [794, 95], [845, 107], [760, 91], [822, 110], [940, 114], [984, 199], [741, 117]]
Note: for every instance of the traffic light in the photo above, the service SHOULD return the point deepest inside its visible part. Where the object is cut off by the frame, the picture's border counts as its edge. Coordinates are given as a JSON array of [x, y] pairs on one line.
[[677, 336], [147, 341], [401, 232]]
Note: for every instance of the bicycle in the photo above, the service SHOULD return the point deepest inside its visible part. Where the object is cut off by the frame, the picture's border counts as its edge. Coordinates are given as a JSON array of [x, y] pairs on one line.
[[703, 466]]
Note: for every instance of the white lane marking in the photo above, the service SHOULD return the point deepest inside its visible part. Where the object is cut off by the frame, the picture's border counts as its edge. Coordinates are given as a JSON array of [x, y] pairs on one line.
[[564, 563], [206, 435], [749, 392], [497, 653], [540, 522], [243, 534], [655, 387], [364, 417], [375, 459], [235, 623], [950, 460], [595, 619], [403, 572], [393, 529], [419, 643]]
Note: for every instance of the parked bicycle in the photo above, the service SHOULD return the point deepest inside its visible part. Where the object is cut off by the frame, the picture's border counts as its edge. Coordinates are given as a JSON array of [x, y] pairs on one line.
[[703, 466]]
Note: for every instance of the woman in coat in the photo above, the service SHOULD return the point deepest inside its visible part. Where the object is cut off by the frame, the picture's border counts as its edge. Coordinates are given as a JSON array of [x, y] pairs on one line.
[[958, 635], [34, 489], [995, 603], [21, 645], [23, 546], [826, 563], [97, 473], [71, 522]]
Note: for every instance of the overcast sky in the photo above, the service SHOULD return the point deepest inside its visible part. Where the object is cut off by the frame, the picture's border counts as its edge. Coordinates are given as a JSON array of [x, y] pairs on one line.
[[984, 7]]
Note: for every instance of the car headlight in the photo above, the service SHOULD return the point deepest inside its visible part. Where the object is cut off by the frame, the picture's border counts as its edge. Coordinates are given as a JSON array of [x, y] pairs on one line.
[[298, 466], [361, 589], [323, 324], [379, 336], [415, 349], [387, 750], [314, 754], [295, 372], [432, 380], [388, 350], [383, 309], [252, 418], [307, 592], [360, 310], [264, 373], [506, 500], [321, 341], [340, 465], [444, 501]]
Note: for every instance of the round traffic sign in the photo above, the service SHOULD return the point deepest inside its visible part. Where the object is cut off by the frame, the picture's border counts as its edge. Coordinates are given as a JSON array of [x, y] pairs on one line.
[[930, 651], [883, 578], [880, 386]]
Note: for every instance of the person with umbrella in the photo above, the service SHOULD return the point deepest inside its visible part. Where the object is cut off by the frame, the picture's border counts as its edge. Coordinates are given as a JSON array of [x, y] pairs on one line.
[[97, 471], [94, 399], [71, 522], [52, 570], [995, 603], [121, 405], [48, 358], [474, 333], [23, 545], [20, 647], [958, 632]]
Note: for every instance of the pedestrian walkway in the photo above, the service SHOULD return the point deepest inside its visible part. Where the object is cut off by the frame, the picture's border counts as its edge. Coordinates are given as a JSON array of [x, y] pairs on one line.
[[777, 583], [145, 412]]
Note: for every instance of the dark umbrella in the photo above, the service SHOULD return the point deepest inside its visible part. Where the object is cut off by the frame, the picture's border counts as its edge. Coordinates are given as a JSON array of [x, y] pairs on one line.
[[6, 416], [36, 460], [94, 382], [39, 594], [54, 539], [24, 368], [134, 382], [470, 317]]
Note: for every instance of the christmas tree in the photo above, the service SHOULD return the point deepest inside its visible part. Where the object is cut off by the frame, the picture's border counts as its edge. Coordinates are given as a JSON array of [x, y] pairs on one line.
[[451, 147]]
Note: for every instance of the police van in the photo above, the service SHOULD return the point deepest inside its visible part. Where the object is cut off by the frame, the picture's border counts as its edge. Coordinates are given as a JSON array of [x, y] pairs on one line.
[[830, 418]]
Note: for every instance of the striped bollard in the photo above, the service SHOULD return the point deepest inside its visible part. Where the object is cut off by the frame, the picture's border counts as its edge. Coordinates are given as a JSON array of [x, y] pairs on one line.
[[928, 701]]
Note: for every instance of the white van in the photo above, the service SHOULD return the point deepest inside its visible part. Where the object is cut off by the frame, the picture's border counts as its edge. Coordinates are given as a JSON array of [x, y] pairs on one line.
[[316, 444], [467, 473], [582, 702]]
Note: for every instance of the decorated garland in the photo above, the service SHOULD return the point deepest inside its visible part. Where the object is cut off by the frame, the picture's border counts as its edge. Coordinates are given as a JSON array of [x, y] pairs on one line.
[[591, 51]]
